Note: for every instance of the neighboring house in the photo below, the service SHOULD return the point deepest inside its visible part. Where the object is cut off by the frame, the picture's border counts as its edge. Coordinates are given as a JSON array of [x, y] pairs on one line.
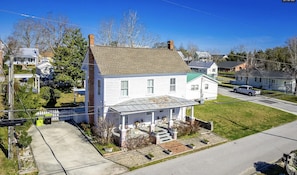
[[129, 85], [202, 56], [187, 60], [201, 87], [269, 80], [45, 70], [231, 66], [219, 58], [26, 56], [206, 67]]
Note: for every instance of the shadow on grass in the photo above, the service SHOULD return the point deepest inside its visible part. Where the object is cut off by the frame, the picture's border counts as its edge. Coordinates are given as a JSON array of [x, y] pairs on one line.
[[269, 169], [4, 150], [255, 130]]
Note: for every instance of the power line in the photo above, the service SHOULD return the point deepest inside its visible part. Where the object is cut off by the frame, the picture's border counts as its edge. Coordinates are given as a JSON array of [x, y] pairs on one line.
[[42, 18], [41, 135]]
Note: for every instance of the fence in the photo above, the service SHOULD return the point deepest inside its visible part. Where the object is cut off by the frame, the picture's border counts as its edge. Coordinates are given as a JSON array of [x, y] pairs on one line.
[[78, 114]]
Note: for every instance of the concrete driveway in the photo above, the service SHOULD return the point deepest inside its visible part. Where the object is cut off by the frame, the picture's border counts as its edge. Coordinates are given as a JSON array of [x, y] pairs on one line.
[[72, 150]]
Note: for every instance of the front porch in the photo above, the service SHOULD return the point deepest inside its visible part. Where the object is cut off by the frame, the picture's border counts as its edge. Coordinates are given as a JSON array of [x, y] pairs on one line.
[[153, 116]]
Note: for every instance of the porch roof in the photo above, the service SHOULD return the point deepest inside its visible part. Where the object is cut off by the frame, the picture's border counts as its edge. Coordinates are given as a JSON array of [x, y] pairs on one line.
[[139, 105]]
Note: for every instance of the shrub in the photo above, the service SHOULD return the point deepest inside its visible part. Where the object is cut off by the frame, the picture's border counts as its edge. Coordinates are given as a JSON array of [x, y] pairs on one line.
[[137, 142], [187, 129]]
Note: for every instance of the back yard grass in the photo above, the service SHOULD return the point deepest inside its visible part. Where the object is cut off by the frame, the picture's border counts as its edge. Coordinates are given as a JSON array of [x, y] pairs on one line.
[[235, 119]]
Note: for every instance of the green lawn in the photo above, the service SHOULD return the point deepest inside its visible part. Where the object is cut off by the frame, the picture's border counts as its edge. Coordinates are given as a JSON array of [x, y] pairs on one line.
[[234, 118], [67, 99]]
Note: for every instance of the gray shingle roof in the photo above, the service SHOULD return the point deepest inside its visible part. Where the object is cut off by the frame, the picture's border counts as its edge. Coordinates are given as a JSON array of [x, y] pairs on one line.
[[229, 64], [138, 105], [201, 64], [130, 61], [266, 74]]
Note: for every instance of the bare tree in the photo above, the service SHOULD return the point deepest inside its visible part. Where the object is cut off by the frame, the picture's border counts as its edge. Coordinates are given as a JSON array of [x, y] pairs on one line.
[[106, 33], [292, 47], [43, 33], [27, 32], [103, 131], [130, 33], [53, 30], [192, 48]]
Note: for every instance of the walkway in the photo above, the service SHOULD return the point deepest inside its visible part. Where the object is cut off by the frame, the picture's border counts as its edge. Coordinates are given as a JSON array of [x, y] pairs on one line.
[[135, 158]]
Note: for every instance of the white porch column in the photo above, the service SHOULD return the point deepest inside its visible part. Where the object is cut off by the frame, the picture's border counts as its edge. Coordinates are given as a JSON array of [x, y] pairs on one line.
[[123, 132], [123, 123], [170, 124], [152, 127], [153, 117], [192, 115]]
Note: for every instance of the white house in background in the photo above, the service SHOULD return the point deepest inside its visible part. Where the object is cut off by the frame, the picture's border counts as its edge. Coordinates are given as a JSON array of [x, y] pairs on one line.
[[202, 56], [45, 70], [209, 68], [201, 87], [128, 85], [269, 80], [26, 56]]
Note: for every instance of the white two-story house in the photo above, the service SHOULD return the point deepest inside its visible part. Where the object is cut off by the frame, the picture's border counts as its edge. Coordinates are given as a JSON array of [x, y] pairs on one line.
[[26, 56], [128, 85], [209, 68]]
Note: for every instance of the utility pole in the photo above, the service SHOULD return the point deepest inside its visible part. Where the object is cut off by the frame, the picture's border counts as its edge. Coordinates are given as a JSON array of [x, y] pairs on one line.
[[10, 102]]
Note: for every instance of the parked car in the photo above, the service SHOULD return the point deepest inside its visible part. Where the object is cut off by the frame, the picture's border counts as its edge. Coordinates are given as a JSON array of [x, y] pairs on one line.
[[246, 89]]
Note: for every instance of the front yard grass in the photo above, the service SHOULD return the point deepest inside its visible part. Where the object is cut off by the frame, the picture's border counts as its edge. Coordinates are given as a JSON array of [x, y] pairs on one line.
[[235, 119]]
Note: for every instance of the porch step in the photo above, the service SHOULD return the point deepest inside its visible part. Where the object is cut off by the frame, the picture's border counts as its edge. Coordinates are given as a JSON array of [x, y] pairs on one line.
[[164, 135]]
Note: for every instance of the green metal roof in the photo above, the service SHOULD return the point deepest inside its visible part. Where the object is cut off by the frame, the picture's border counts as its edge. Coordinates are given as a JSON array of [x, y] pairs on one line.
[[193, 75]]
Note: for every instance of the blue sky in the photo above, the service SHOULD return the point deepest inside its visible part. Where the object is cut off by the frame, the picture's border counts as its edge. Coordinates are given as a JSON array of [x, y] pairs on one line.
[[216, 26]]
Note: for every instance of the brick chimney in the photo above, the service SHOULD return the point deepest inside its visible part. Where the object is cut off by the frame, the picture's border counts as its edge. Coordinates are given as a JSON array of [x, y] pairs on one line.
[[91, 40], [170, 45], [91, 85]]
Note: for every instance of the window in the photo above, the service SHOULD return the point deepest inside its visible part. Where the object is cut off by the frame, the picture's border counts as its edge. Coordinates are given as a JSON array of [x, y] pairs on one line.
[[124, 88], [214, 70], [150, 86], [99, 87], [195, 87], [255, 79], [206, 86], [172, 84]]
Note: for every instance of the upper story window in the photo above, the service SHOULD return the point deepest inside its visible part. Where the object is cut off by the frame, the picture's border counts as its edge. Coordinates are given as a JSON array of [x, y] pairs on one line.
[[206, 86], [195, 87], [172, 84], [214, 70], [150, 86], [124, 88]]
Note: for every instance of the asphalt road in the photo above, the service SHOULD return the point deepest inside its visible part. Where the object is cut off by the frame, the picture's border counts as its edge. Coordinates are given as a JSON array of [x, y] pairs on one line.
[[259, 99], [72, 150], [238, 157]]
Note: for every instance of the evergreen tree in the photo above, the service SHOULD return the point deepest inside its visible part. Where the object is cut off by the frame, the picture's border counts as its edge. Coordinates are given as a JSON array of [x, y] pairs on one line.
[[68, 60]]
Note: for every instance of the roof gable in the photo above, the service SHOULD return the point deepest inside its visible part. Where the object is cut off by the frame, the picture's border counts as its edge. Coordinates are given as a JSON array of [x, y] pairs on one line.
[[130, 61], [192, 75]]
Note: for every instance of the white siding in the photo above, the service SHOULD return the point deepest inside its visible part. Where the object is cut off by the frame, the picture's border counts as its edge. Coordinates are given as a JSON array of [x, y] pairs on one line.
[[111, 94], [138, 87], [202, 93]]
